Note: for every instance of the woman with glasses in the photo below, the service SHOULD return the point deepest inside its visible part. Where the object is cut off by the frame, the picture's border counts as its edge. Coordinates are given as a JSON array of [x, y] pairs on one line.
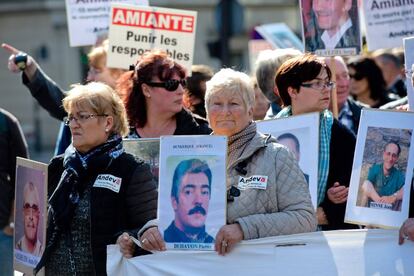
[[98, 194], [367, 82], [279, 204], [304, 84], [155, 93]]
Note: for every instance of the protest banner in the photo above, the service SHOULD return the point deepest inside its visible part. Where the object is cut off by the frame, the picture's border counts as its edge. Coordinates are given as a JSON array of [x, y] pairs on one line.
[[388, 22], [255, 47], [147, 149], [192, 190], [341, 252], [30, 213], [136, 29], [331, 28], [88, 19], [280, 36], [409, 67], [300, 134], [382, 172]]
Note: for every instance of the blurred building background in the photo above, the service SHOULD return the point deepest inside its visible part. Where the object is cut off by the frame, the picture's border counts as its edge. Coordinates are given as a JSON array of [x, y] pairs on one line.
[[39, 27]]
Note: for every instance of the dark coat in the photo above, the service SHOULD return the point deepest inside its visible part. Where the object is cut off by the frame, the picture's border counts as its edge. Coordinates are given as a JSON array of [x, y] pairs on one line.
[[340, 166], [111, 213]]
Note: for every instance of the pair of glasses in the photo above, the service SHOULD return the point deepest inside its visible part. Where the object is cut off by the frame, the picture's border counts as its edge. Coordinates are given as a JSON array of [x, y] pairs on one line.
[[170, 85], [356, 76], [81, 118], [409, 73], [27, 207], [319, 85]]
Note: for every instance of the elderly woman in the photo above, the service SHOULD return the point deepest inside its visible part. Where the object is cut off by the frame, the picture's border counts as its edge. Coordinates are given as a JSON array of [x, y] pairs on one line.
[[283, 206], [99, 194], [154, 106], [304, 84]]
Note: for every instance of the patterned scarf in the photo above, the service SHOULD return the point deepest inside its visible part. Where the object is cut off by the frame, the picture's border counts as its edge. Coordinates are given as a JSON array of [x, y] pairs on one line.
[[238, 142], [72, 183], [325, 126]]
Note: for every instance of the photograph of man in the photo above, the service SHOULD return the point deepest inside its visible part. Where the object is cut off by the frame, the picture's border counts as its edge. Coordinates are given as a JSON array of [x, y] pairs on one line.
[[292, 143], [190, 197], [336, 26], [384, 185], [31, 213]]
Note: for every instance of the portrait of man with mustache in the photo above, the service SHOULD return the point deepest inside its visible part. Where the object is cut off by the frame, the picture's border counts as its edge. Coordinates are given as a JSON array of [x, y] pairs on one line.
[[190, 197]]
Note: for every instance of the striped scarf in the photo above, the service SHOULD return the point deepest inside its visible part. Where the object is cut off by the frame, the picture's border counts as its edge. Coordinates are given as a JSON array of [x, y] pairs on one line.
[[325, 126], [238, 142]]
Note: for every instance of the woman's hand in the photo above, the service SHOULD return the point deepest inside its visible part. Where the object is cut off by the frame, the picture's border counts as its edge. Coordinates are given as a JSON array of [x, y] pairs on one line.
[[31, 65], [227, 237], [321, 216], [151, 240], [127, 246], [338, 193], [407, 231]]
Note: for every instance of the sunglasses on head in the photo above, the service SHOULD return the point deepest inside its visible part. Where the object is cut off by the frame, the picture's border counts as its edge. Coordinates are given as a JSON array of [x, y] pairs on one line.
[[170, 85], [356, 76]]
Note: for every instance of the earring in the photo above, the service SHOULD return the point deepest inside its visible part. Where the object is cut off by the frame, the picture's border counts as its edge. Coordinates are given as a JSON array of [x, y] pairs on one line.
[[106, 130]]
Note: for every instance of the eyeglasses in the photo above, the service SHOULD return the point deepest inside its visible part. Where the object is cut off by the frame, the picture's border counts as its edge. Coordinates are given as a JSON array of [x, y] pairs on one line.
[[27, 207], [81, 118], [409, 73], [319, 85], [356, 76], [170, 85]]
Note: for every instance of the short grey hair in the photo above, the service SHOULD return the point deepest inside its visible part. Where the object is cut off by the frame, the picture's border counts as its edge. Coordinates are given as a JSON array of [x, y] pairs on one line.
[[267, 64], [234, 81]]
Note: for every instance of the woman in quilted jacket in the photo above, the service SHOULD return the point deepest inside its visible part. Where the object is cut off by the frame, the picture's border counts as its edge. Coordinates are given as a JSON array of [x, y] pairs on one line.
[[279, 205]]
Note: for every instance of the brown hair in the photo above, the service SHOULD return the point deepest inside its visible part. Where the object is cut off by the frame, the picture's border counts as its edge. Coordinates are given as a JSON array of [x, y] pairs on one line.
[[155, 63], [296, 71]]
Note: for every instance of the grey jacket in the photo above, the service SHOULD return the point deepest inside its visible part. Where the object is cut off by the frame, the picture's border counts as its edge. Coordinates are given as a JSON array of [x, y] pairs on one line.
[[284, 207]]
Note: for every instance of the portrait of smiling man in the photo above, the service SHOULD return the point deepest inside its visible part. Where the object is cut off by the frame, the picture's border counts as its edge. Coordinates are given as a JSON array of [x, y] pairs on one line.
[[31, 217], [190, 197], [336, 26]]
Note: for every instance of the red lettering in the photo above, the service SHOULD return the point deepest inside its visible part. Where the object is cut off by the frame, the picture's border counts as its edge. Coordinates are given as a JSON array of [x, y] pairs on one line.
[[153, 20]]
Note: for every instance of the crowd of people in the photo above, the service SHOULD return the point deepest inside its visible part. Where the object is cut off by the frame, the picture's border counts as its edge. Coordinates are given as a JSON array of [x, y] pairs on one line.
[[157, 97]]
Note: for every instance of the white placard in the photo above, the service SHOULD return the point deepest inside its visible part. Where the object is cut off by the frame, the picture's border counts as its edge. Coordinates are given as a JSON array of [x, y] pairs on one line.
[[87, 20], [136, 29], [300, 134], [388, 22], [280, 36], [191, 212], [331, 28], [379, 130], [409, 61]]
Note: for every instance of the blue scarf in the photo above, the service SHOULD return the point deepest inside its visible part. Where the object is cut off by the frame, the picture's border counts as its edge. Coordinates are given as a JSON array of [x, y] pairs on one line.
[[325, 127], [71, 185]]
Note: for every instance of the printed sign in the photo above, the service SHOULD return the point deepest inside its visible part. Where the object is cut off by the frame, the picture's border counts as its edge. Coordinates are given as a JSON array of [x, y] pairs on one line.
[[192, 190], [30, 215], [134, 30], [331, 28], [382, 172], [88, 19], [280, 36], [388, 22], [409, 62]]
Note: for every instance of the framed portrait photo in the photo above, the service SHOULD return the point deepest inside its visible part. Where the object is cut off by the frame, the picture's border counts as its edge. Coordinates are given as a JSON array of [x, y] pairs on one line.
[[382, 172], [192, 190], [300, 134], [148, 149], [331, 28], [30, 213]]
